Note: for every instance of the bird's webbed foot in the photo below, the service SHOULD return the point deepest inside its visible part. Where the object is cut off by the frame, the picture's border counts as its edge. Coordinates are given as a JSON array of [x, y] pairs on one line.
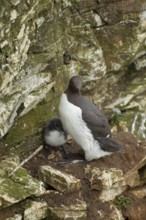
[[64, 153]]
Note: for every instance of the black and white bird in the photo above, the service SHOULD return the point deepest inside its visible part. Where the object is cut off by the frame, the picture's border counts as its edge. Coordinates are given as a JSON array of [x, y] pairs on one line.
[[54, 135], [87, 125]]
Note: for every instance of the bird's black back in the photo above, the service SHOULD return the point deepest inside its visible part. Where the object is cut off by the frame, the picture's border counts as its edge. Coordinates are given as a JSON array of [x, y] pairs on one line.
[[93, 117]]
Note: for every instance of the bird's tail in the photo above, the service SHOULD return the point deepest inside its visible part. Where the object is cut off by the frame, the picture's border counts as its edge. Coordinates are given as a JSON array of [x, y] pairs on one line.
[[107, 144]]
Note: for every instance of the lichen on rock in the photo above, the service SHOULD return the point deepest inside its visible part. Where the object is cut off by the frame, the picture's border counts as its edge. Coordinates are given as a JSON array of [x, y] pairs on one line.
[[59, 180], [20, 186]]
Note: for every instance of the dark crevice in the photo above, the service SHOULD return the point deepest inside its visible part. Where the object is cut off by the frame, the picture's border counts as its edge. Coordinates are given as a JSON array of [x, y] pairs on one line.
[[20, 109], [142, 173]]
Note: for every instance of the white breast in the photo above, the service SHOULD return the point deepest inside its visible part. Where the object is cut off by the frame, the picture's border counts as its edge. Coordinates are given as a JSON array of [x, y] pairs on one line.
[[71, 117], [55, 138]]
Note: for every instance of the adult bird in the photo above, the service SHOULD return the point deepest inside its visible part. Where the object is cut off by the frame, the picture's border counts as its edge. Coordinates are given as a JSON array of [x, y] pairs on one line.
[[54, 135], [87, 125]]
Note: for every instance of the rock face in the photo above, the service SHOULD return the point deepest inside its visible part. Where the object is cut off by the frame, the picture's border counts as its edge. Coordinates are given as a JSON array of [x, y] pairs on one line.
[[45, 42], [42, 44]]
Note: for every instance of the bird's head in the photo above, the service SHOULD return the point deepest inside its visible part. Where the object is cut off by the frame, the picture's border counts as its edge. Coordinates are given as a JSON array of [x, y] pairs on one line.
[[56, 124], [75, 84]]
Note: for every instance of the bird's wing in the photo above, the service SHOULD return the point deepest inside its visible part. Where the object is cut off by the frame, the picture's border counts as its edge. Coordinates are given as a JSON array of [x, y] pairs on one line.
[[97, 123], [94, 118]]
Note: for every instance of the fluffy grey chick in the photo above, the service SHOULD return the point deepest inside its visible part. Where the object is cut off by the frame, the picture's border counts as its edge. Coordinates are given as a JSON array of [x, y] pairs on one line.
[[54, 135]]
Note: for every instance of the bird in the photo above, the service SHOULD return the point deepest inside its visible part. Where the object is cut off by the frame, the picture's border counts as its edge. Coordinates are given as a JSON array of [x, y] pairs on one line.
[[54, 135], [86, 123]]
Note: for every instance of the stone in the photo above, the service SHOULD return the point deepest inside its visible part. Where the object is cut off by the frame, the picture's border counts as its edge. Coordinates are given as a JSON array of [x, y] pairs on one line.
[[110, 213], [121, 102], [135, 176], [139, 192], [132, 178], [112, 182], [15, 217], [140, 62], [59, 180], [20, 186], [75, 211], [110, 194], [138, 125], [36, 210], [68, 205], [104, 179], [61, 213], [116, 214]]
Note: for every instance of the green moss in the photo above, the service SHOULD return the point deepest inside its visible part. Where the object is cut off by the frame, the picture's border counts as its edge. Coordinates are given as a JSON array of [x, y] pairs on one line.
[[14, 30], [122, 201], [123, 121], [6, 166], [8, 98], [37, 58], [21, 176], [30, 123], [138, 88], [16, 191], [17, 187], [1, 80]]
